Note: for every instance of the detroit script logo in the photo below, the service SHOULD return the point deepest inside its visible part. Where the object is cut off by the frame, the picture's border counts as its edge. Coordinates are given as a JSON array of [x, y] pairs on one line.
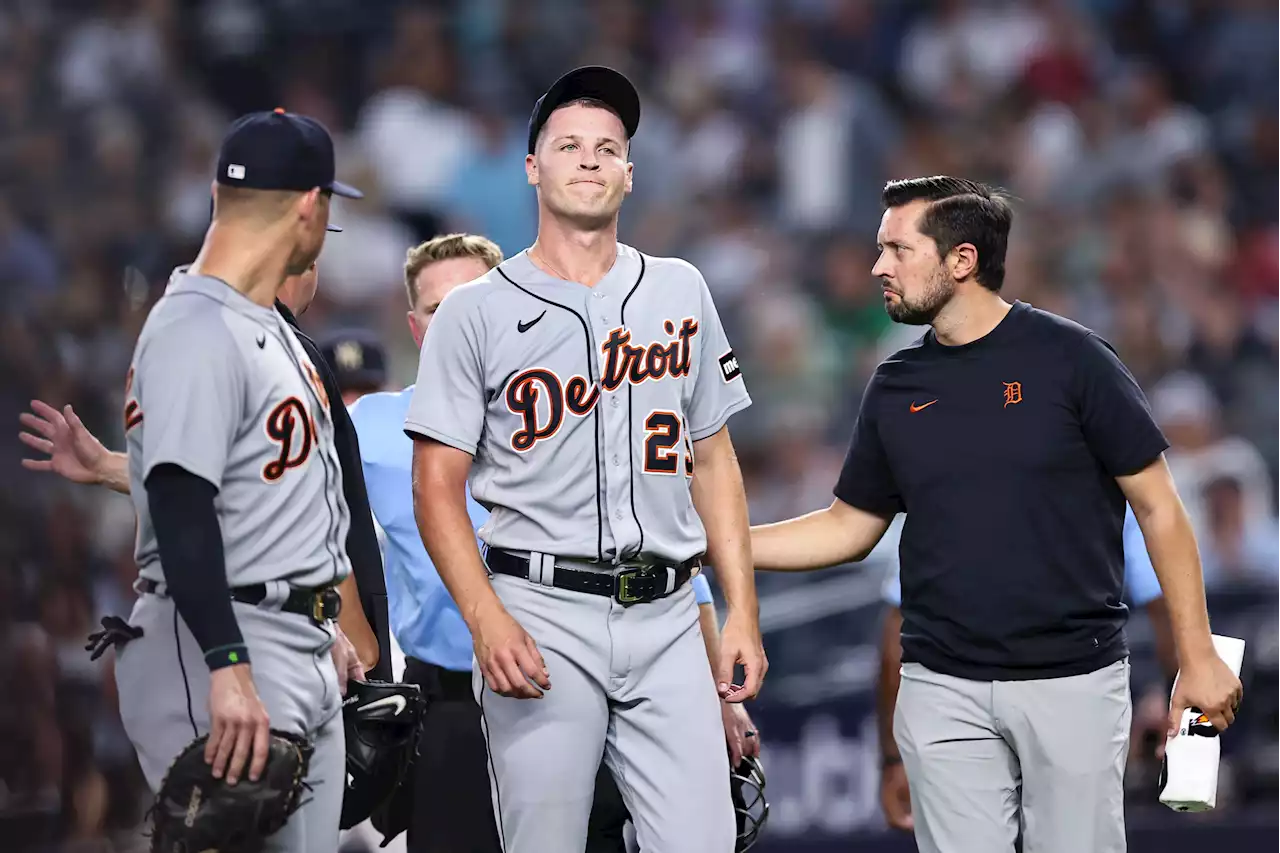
[[620, 362]]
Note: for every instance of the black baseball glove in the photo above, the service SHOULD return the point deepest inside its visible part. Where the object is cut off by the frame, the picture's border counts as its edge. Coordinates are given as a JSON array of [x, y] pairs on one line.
[[194, 811], [382, 722]]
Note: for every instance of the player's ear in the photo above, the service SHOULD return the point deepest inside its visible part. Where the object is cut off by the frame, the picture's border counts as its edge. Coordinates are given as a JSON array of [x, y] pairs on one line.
[[531, 170], [963, 260], [627, 185], [417, 333]]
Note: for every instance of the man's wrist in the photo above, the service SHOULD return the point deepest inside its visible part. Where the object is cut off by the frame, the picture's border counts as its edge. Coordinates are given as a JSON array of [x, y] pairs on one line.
[[480, 609], [229, 655], [887, 760], [1195, 647]]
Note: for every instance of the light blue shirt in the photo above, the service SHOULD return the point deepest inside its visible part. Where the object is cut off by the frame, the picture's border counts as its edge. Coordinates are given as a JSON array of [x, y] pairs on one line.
[[701, 589], [1140, 581], [425, 621]]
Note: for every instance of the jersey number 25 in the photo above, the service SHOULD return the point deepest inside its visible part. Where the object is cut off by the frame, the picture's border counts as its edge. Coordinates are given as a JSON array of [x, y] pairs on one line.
[[662, 435]]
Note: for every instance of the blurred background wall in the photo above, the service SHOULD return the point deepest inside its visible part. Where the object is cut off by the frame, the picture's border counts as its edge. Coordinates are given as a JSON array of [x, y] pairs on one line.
[[1138, 136]]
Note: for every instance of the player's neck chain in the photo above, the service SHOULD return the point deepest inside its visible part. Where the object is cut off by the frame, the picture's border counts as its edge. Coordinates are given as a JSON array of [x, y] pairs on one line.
[[540, 260]]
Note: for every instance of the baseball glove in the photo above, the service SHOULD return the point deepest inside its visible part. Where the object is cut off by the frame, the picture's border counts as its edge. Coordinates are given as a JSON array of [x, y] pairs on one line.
[[195, 812], [382, 722]]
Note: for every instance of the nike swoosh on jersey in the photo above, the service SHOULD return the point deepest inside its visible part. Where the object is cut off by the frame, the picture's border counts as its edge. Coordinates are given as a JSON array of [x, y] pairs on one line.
[[524, 327], [397, 701], [915, 408], [262, 342]]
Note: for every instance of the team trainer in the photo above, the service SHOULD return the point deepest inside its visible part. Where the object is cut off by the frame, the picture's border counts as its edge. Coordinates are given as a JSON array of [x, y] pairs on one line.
[[1011, 438]]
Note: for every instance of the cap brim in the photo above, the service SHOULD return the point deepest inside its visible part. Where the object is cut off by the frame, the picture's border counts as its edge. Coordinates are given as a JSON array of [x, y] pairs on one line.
[[344, 190], [334, 228], [592, 81]]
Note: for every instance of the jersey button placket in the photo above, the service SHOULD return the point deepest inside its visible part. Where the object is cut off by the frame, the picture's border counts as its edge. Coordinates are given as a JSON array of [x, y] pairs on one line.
[[616, 437]]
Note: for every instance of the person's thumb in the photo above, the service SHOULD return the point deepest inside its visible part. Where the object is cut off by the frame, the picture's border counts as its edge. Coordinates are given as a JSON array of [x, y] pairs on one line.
[[1176, 707], [724, 669]]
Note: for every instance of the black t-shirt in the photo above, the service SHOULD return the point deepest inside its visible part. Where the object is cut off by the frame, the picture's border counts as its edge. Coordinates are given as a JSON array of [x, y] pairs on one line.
[[1003, 453]]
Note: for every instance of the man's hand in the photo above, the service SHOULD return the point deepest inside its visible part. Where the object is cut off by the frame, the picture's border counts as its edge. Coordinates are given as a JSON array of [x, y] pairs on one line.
[[739, 733], [509, 659], [239, 726], [740, 644], [346, 660], [1206, 683], [73, 451], [895, 796]]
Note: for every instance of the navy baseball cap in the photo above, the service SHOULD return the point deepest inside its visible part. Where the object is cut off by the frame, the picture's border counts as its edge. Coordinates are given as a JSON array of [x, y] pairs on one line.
[[591, 81], [279, 150], [357, 358]]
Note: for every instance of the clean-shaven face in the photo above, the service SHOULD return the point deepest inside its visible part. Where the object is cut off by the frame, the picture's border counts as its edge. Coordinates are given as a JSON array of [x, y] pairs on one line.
[[580, 166], [433, 283]]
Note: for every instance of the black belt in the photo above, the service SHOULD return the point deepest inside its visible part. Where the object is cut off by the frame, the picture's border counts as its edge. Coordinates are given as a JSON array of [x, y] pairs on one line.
[[629, 586], [321, 604]]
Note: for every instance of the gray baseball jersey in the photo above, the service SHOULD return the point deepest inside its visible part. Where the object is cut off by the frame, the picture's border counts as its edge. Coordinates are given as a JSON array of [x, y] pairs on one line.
[[220, 386], [581, 405]]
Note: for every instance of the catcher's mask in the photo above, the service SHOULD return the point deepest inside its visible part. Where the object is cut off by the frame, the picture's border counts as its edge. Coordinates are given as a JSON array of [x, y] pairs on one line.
[[751, 809]]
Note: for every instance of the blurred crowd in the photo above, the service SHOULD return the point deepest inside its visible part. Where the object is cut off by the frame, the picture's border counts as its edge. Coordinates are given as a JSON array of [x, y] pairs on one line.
[[1138, 137]]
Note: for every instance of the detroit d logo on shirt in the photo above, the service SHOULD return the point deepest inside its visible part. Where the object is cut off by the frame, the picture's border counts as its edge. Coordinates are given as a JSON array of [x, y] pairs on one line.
[[621, 362], [291, 430]]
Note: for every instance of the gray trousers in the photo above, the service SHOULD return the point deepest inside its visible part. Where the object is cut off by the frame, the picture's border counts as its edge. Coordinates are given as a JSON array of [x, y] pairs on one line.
[[631, 684], [164, 703], [987, 760]]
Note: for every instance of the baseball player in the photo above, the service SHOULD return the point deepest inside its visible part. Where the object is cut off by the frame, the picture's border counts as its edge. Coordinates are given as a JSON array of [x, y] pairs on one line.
[[1142, 589], [237, 485], [581, 389], [1012, 439], [453, 809], [77, 455]]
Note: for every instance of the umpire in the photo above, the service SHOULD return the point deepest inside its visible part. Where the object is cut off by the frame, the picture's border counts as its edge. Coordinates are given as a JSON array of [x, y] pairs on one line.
[[1011, 438]]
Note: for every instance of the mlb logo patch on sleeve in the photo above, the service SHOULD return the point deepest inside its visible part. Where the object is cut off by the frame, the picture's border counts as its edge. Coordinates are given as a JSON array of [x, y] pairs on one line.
[[729, 366]]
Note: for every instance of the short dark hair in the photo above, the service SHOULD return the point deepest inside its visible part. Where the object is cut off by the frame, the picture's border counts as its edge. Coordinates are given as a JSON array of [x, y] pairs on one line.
[[960, 211]]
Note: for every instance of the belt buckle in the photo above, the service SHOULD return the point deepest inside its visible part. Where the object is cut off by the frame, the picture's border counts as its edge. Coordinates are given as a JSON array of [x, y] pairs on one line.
[[623, 592], [325, 605]]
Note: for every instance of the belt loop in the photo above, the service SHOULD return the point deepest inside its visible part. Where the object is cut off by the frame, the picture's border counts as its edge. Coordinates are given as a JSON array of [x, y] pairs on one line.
[[277, 592], [542, 568], [671, 580]]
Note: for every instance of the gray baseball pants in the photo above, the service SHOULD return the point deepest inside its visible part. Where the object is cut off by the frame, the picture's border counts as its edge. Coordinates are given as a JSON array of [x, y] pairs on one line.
[[630, 683], [164, 702], [987, 759]]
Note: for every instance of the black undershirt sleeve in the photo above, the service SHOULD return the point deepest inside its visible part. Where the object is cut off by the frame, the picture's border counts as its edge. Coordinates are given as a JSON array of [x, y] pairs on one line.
[[190, 543]]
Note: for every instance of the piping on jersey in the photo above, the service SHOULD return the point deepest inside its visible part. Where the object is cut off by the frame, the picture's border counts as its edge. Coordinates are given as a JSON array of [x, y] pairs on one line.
[[333, 547], [631, 444], [586, 331]]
